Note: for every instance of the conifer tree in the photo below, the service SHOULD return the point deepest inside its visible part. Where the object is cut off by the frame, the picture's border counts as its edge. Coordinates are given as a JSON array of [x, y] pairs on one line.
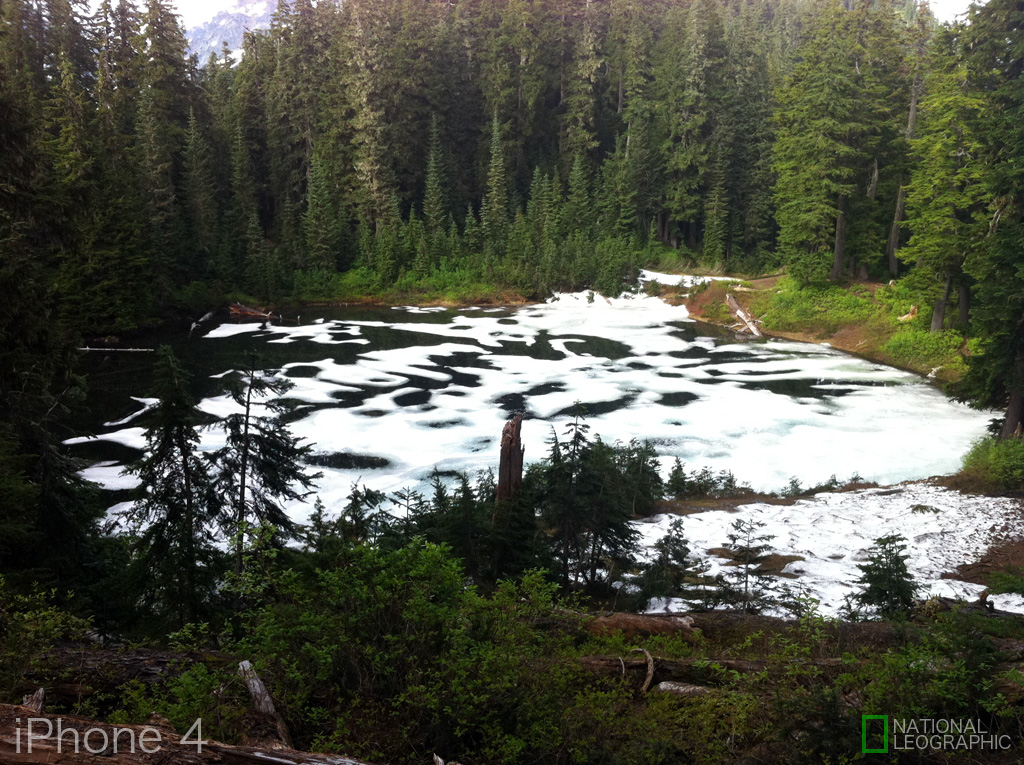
[[948, 202], [813, 159], [494, 211], [321, 221], [261, 463], [996, 377], [435, 204], [175, 518], [199, 194]]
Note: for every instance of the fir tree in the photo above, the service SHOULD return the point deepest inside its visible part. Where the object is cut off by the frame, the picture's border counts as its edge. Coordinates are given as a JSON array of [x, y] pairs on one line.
[[175, 518], [494, 212], [262, 462], [888, 586]]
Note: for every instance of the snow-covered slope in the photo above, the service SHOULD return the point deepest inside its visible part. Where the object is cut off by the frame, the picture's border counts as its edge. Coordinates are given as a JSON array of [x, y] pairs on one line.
[[833, 532]]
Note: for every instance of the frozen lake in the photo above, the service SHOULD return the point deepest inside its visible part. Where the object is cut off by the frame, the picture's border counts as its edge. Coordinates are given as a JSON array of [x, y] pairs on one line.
[[391, 394]]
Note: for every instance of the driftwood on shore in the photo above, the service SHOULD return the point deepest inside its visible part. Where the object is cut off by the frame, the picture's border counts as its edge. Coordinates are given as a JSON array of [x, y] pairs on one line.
[[747, 320], [239, 310]]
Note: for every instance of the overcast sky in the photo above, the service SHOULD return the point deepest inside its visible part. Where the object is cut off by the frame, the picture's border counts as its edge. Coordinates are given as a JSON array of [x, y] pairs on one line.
[[195, 12]]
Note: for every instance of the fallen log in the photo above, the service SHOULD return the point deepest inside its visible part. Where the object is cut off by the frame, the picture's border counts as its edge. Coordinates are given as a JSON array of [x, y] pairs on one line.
[[239, 310], [641, 625], [27, 737], [71, 671], [685, 690], [692, 671], [743, 316]]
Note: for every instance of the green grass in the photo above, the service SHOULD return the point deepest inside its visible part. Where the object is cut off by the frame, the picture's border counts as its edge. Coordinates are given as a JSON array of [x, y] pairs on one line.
[[918, 348], [818, 309]]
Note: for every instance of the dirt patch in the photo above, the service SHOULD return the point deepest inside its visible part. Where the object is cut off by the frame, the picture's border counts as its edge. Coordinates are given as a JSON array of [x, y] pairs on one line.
[[765, 282], [1004, 557], [730, 504], [772, 564]]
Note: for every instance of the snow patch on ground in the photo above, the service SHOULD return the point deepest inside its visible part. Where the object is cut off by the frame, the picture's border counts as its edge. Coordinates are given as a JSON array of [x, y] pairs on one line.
[[833, 533], [680, 280]]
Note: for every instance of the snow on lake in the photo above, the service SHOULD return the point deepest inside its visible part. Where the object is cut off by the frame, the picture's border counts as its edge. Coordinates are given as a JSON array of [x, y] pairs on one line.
[[394, 393], [833, 533]]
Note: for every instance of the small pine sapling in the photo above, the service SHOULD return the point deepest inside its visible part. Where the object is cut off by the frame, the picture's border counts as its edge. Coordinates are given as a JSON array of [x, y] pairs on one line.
[[746, 584], [888, 586]]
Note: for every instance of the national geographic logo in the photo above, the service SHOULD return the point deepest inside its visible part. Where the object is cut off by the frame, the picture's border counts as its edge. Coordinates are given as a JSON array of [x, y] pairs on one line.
[[926, 734]]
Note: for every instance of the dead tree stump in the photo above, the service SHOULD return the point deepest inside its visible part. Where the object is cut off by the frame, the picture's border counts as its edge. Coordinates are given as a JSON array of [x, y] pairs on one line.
[[510, 466]]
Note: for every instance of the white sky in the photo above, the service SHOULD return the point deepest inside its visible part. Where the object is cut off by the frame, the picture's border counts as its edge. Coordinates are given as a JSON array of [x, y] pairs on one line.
[[195, 12]]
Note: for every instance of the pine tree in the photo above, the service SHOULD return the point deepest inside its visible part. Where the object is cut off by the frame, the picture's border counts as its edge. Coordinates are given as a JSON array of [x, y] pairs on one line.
[[320, 223], [947, 200], [199, 193], [494, 211], [261, 464], [688, 87], [888, 585], [813, 156], [435, 203], [174, 519], [578, 123], [996, 377]]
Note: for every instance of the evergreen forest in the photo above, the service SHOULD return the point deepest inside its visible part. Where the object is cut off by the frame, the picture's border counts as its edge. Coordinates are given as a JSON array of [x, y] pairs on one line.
[[494, 150]]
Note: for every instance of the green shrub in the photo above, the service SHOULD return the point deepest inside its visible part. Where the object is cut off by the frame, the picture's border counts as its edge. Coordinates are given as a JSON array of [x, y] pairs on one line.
[[996, 464], [817, 308], [315, 285], [29, 627], [920, 348]]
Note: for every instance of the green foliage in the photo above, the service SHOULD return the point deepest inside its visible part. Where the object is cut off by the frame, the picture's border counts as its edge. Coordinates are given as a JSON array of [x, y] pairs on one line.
[[173, 520], [30, 626], [887, 586], [918, 348], [703, 483], [818, 309], [995, 464]]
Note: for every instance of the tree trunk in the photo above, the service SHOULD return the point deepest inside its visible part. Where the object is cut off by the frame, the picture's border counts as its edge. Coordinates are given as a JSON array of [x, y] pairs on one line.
[[939, 311], [893, 242], [510, 462], [695, 671], [742, 315], [840, 245], [1015, 407], [244, 466], [273, 733], [963, 292]]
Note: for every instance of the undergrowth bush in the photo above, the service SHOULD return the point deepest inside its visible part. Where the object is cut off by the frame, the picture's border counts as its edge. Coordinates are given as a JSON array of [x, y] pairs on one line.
[[995, 465], [915, 347], [30, 625], [818, 308]]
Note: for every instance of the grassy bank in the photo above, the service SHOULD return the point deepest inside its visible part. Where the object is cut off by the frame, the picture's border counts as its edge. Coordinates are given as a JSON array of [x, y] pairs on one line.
[[877, 321]]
